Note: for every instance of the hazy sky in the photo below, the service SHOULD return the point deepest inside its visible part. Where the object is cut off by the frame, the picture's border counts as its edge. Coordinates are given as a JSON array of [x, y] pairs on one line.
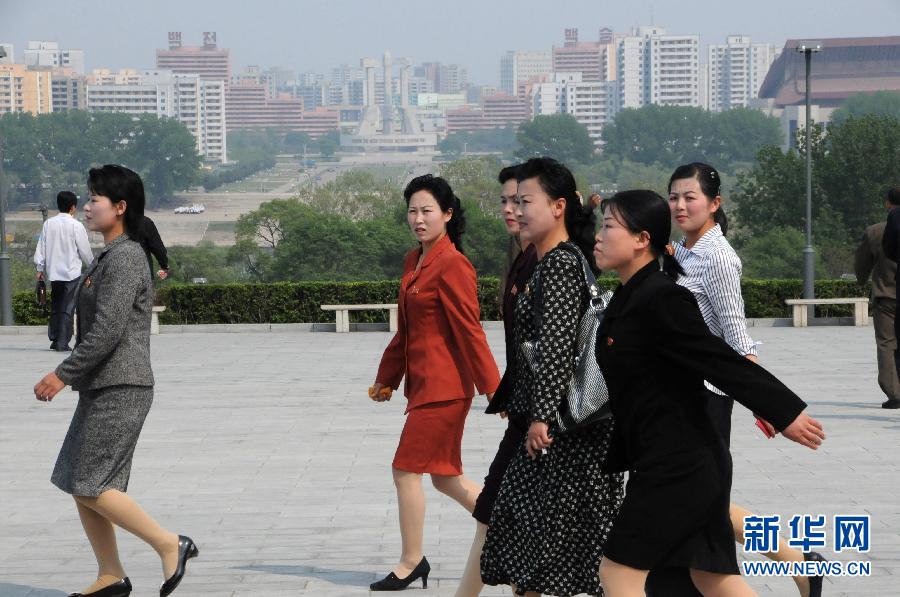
[[315, 35]]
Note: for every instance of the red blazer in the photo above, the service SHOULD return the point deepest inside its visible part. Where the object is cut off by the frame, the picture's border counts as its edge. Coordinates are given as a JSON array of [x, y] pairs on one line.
[[440, 345]]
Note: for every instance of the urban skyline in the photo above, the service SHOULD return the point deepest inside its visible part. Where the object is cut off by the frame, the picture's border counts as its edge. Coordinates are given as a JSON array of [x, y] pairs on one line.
[[473, 35]]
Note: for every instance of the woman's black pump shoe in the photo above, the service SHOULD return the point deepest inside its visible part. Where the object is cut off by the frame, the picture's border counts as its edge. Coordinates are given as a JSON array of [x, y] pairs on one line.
[[392, 583], [186, 551], [815, 582], [118, 589]]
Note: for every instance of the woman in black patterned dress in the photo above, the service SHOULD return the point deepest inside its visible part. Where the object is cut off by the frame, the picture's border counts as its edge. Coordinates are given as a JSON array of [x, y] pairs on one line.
[[555, 506]]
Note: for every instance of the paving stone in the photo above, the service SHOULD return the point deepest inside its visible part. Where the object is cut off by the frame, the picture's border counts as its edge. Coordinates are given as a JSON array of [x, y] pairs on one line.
[[266, 450]]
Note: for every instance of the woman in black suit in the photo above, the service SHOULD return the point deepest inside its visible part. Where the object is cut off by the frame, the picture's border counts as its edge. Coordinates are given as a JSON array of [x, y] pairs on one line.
[[675, 512], [522, 262]]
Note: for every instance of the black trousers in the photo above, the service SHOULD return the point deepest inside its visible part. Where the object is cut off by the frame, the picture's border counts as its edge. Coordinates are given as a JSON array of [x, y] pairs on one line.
[[896, 337], [62, 306]]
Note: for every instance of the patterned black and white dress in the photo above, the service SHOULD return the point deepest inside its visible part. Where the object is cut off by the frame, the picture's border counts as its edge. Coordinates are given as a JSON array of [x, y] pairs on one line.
[[553, 513]]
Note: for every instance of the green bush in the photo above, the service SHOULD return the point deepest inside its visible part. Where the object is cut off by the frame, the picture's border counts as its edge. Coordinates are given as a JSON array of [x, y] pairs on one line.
[[27, 312], [300, 302]]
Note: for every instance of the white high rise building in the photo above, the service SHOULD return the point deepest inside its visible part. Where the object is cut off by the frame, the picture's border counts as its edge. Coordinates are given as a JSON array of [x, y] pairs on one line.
[[47, 53], [656, 68], [522, 66], [592, 103], [736, 72], [197, 103]]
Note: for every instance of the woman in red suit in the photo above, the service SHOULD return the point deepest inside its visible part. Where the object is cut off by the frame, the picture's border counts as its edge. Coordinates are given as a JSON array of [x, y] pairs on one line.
[[441, 350]]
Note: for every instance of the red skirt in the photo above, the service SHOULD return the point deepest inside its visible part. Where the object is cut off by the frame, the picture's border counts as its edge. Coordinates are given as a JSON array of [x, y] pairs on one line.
[[431, 441]]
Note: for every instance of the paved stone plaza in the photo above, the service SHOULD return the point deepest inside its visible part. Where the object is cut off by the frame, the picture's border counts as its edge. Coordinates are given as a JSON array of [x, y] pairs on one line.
[[265, 449]]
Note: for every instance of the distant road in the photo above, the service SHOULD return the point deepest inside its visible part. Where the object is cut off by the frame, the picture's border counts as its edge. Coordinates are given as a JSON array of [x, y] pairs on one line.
[[224, 208]]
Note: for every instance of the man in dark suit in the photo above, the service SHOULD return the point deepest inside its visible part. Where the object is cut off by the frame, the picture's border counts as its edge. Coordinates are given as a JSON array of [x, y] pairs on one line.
[[884, 276]]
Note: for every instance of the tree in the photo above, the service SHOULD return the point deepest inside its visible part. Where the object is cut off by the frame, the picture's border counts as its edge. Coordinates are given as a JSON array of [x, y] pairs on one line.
[[474, 179], [329, 143], [357, 194], [773, 193], [852, 166], [559, 136], [165, 154], [884, 103], [862, 162], [50, 151], [500, 140], [776, 253], [674, 135], [738, 134], [295, 142]]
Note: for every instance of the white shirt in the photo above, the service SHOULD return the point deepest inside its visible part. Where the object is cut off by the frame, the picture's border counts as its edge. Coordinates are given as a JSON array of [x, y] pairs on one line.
[[712, 272], [62, 248]]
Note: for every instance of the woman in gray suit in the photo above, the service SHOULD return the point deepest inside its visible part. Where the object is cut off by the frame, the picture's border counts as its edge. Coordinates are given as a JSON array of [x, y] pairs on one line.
[[110, 368]]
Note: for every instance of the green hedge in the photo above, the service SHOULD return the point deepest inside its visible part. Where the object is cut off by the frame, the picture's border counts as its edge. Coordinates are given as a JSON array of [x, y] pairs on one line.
[[27, 312], [291, 302], [299, 302]]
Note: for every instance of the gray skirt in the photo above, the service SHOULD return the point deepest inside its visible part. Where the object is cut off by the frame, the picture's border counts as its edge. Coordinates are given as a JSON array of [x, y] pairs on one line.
[[96, 454]]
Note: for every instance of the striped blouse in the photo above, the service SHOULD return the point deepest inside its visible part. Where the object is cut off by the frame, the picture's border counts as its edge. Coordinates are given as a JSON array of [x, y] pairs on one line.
[[713, 274]]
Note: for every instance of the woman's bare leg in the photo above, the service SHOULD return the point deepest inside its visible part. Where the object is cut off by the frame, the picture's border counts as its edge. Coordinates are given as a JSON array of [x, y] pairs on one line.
[[122, 511], [470, 585], [721, 585], [785, 552], [411, 505], [460, 488], [619, 580], [102, 536]]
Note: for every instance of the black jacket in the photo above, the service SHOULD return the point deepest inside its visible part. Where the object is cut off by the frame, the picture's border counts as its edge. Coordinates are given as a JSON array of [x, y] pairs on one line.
[[519, 274], [890, 242], [153, 245], [655, 351]]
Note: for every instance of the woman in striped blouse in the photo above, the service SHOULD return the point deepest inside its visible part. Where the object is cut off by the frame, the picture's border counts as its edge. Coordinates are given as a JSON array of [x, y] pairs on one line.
[[713, 274]]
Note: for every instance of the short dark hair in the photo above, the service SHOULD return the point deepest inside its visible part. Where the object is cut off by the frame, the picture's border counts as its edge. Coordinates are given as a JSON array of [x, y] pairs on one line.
[[645, 211], [508, 173], [558, 182], [446, 199], [118, 183], [710, 184], [66, 200], [893, 196]]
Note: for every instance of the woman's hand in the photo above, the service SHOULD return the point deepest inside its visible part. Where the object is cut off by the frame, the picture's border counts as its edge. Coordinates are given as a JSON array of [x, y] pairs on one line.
[[380, 393], [806, 431], [752, 358], [48, 387], [538, 438]]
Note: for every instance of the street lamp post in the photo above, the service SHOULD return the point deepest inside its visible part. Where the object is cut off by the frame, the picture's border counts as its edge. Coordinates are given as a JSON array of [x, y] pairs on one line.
[[6, 312], [809, 255]]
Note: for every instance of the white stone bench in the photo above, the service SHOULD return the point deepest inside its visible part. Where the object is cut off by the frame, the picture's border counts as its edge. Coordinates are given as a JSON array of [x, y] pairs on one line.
[[801, 308], [342, 315], [154, 320]]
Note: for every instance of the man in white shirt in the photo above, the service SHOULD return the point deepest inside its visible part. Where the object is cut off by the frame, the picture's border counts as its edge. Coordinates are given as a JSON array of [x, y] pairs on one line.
[[61, 250]]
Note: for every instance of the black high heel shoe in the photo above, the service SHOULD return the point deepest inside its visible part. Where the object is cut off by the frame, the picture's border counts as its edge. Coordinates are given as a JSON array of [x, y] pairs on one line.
[[815, 582], [117, 589], [392, 583], [186, 551]]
